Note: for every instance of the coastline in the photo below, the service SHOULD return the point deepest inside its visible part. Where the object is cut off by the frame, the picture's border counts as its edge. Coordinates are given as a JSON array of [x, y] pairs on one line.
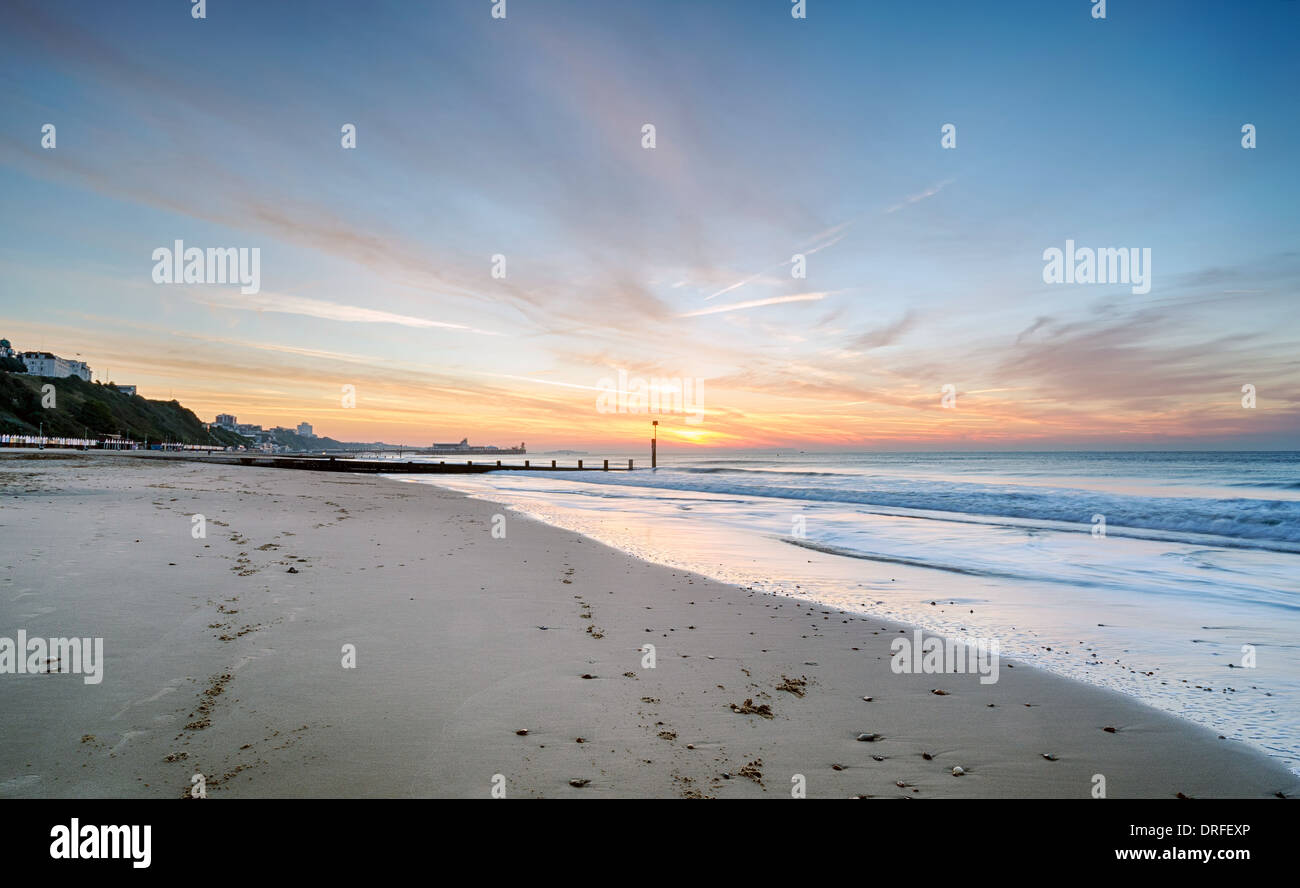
[[452, 661]]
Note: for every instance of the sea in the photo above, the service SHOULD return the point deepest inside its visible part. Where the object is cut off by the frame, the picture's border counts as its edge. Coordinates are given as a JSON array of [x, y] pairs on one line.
[[1171, 577]]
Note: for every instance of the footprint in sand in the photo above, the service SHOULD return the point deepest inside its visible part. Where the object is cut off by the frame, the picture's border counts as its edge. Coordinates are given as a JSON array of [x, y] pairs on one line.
[[162, 692], [20, 786], [39, 612], [127, 737]]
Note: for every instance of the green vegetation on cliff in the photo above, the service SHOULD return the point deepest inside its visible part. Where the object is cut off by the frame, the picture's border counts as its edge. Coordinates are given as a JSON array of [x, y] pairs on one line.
[[81, 406]]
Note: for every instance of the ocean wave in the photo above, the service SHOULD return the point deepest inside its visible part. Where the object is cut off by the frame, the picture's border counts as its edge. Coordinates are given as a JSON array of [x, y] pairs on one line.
[[711, 470], [1257, 522]]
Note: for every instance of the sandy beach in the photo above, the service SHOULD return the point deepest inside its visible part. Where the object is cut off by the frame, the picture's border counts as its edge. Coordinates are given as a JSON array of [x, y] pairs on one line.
[[478, 656]]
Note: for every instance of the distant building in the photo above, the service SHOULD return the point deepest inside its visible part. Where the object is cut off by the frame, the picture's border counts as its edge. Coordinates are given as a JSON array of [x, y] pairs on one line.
[[125, 389], [46, 364], [304, 429], [226, 421], [465, 447]]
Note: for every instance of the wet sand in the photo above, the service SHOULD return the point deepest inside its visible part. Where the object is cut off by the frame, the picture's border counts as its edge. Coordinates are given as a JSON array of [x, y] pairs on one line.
[[484, 662]]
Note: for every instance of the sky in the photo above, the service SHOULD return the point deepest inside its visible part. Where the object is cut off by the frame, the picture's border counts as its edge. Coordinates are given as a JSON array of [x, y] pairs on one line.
[[522, 137]]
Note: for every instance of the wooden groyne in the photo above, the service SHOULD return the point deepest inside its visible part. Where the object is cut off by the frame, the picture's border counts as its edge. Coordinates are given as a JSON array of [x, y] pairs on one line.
[[389, 466]]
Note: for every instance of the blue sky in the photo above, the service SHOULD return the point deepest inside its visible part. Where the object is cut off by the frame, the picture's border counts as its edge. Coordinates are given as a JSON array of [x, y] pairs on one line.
[[522, 137]]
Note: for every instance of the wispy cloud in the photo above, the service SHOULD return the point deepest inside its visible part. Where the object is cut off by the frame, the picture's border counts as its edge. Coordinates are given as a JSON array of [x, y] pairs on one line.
[[917, 198], [319, 308], [835, 234], [755, 303], [886, 335]]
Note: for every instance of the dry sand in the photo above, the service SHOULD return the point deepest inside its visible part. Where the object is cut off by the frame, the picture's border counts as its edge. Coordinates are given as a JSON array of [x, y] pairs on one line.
[[223, 656]]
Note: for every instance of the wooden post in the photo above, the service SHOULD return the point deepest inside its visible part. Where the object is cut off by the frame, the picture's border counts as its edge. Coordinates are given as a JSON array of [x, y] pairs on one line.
[[525, 464], [552, 463], [629, 465], [579, 463], [498, 462], [469, 462], [606, 465], [654, 446]]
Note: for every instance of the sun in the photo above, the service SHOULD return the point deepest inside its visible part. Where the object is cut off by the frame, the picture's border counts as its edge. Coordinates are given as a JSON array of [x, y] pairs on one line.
[[693, 436]]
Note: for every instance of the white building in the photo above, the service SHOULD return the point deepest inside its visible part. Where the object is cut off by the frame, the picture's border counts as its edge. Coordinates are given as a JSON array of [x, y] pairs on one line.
[[46, 364], [304, 429]]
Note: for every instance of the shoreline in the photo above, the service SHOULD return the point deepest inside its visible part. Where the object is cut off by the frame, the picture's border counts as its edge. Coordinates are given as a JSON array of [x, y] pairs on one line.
[[244, 630], [1088, 626]]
